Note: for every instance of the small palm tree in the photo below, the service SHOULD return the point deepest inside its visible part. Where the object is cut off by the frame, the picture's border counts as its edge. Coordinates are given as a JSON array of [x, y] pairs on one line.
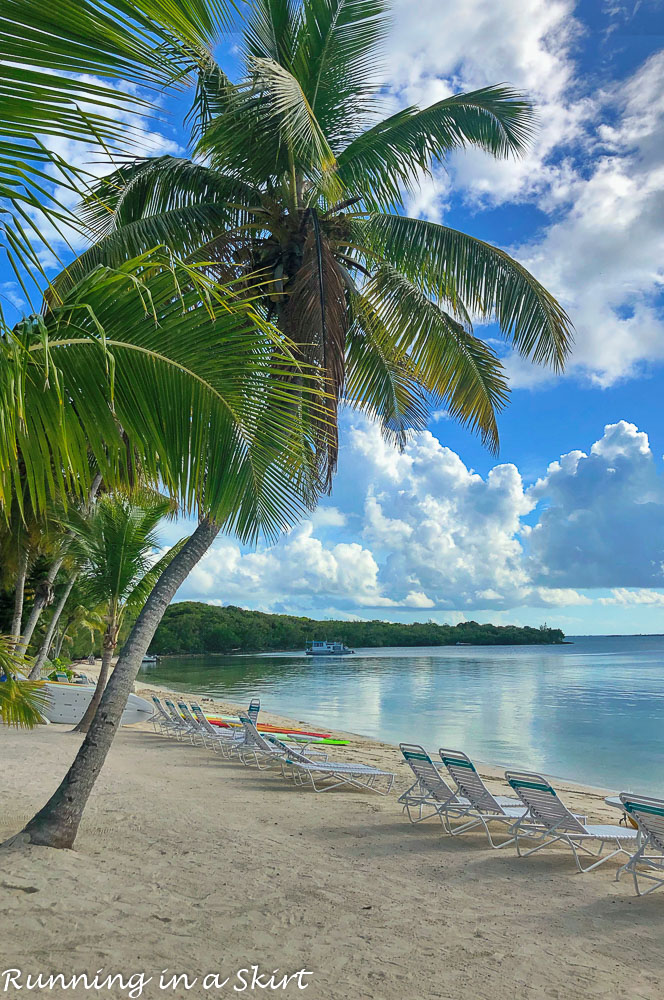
[[115, 544], [21, 701]]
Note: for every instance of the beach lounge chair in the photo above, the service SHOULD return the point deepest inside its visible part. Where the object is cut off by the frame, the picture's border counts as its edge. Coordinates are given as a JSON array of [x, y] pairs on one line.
[[219, 739], [649, 814], [483, 807], [162, 722], [257, 748], [549, 820], [328, 774], [182, 727], [198, 734], [429, 795]]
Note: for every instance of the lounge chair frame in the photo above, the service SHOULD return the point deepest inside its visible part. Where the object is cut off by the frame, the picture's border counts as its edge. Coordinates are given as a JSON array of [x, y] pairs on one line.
[[430, 795], [549, 821], [649, 814], [323, 776], [483, 806]]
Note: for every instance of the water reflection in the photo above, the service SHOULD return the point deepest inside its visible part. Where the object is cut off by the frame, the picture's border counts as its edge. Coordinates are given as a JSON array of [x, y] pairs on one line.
[[591, 711]]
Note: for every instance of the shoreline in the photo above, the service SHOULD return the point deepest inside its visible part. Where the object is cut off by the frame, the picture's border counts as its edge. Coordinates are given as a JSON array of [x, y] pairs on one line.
[[491, 771]]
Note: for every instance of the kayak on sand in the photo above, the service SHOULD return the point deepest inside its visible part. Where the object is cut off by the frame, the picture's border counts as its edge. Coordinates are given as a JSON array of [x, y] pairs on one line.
[[226, 722]]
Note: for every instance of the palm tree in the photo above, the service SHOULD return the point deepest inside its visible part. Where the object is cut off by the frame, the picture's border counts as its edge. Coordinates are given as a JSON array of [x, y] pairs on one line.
[[114, 542], [149, 368], [21, 701], [294, 177], [292, 198]]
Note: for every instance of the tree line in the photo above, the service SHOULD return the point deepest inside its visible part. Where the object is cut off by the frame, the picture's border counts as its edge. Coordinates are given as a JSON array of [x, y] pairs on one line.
[[192, 627]]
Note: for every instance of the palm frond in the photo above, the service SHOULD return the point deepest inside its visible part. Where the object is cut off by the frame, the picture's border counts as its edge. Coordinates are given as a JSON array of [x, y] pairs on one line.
[[21, 701], [457, 369], [270, 31], [336, 62], [201, 387], [380, 380], [54, 54], [149, 187], [388, 158], [449, 264], [145, 585]]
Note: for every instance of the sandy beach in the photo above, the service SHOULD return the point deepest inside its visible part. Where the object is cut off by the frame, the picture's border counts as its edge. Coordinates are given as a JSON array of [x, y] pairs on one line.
[[191, 864]]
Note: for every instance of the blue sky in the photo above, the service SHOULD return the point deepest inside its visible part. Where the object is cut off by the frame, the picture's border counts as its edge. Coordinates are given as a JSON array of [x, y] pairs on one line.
[[447, 531]]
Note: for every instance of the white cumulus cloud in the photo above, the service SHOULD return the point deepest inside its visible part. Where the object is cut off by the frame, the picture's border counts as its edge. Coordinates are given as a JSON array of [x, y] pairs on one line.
[[428, 534]]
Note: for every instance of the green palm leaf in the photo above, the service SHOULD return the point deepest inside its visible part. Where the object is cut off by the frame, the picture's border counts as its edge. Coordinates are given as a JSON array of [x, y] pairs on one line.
[[335, 62], [459, 370], [202, 390], [380, 380], [470, 273], [151, 187], [49, 51], [21, 701], [388, 158]]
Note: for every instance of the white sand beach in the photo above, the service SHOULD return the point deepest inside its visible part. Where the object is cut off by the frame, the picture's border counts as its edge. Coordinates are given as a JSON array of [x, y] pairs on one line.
[[192, 864]]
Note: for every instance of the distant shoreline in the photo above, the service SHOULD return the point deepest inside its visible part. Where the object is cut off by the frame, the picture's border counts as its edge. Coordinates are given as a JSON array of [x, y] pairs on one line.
[[191, 627]]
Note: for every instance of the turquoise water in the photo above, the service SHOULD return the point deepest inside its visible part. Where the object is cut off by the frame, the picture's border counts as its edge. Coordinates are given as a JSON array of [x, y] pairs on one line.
[[592, 711]]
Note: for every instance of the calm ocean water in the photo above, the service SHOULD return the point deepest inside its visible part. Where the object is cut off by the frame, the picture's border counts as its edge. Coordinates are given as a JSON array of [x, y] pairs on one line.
[[592, 711]]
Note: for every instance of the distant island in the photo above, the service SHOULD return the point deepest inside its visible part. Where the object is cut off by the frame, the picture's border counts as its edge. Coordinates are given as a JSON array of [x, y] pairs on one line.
[[192, 627]]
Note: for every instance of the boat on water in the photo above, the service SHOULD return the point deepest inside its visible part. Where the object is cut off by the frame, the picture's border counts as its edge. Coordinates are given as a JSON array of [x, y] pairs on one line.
[[149, 659], [67, 702], [325, 648]]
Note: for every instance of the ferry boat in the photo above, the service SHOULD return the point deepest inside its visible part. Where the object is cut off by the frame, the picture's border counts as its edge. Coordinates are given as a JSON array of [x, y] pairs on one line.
[[325, 648]]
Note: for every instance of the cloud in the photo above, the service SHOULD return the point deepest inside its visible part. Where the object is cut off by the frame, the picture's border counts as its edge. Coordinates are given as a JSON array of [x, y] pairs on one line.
[[426, 533], [604, 257], [595, 167], [629, 598], [603, 525], [436, 49], [298, 573]]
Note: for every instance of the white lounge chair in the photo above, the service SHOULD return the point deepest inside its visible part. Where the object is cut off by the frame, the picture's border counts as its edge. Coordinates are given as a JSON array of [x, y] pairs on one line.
[[549, 820], [328, 774], [183, 729], [483, 807], [162, 722], [649, 814], [263, 750], [429, 795], [218, 738], [200, 733]]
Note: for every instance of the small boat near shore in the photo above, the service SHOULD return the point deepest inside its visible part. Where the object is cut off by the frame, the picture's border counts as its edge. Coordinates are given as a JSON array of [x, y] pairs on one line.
[[325, 648]]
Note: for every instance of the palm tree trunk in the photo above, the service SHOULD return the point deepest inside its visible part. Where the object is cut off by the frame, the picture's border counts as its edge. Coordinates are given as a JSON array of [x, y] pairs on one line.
[[19, 592], [56, 825], [110, 642], [42, 655], [42, 599], [62, 635]]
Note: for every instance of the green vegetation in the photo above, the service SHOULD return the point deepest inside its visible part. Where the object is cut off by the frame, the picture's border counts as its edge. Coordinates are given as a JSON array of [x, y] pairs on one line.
[[191, 627]]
